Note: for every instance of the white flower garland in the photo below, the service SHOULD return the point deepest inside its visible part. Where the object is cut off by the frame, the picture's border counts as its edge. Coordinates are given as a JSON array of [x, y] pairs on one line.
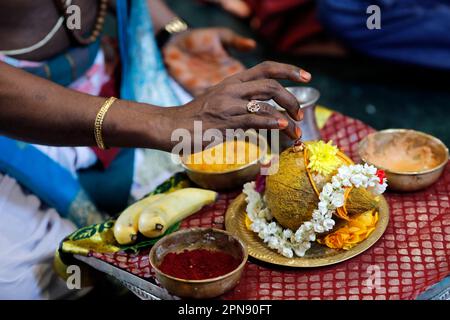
[[287, 242]]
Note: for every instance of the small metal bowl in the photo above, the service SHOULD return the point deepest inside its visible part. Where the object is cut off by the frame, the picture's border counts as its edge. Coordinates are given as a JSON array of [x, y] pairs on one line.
[[307, 97], [199, 238], [407, 181], [230, 179]]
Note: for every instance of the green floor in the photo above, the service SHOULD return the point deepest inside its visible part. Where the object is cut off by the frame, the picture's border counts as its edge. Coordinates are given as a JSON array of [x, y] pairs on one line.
[[381, 94]]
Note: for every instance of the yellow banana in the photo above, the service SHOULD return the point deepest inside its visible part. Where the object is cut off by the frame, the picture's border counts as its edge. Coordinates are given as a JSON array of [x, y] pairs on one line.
[[173, 207], [126, 226]]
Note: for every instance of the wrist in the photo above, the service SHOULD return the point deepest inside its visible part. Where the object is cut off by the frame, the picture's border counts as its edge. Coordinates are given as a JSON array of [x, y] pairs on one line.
[[134, 125], [159, 125], [174, 27]]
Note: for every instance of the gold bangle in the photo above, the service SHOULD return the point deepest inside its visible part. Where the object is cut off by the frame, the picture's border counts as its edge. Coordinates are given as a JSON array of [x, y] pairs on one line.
[[98, 128]]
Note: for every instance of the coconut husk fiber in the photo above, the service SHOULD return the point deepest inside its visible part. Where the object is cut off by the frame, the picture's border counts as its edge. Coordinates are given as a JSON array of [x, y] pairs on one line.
[[291, 198]]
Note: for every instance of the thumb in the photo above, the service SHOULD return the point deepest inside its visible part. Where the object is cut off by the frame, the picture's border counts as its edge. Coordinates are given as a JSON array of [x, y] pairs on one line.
[[230, 39]]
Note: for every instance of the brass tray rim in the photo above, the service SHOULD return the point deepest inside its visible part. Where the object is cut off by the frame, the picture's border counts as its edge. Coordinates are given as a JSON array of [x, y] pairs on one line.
[[254, 250]]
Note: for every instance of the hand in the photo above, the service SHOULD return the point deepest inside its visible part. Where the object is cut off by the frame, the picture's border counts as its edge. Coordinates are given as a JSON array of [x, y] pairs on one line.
[[198, 59], [224, 106], [236, 7]]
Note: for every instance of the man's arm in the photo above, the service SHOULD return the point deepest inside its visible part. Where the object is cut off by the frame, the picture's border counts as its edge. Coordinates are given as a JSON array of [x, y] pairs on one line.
[[160, 13], [39, 111], [28, 104]]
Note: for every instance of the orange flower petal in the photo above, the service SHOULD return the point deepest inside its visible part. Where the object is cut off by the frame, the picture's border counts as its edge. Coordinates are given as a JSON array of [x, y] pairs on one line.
[[356, 231]]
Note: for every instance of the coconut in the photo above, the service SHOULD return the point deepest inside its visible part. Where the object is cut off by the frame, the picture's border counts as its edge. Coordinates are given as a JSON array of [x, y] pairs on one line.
[[291, 198]]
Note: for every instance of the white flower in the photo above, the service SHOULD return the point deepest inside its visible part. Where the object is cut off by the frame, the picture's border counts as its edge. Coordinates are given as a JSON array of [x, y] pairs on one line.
[[380, 188], [338, 199], [323, 208], [265, 231], [263, 235], [324, 198], [371, 170], [357, 168], [344, 172], [336, 183], [319, 228], [299, 234], [310, 235], [273, 242], [308, 225], [287, 233], [302, 248], [287, 252], [328, 224], [327, 190], [257, 226], [272, 228], [357, 180], [317, 215], [346, 183]]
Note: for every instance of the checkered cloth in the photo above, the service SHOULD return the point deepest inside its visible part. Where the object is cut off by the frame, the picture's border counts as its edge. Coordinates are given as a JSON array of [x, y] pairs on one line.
[[412, 255]]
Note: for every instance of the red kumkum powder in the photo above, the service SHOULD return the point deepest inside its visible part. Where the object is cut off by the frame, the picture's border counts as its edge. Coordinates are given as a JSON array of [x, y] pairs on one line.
[[198, 264]]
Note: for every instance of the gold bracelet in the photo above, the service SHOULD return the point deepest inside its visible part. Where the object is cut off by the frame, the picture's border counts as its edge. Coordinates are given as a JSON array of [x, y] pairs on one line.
[[98, 128], [175, 26]]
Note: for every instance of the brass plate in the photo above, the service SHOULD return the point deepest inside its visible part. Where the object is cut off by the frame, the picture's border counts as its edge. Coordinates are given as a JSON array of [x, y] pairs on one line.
[[316, 256]]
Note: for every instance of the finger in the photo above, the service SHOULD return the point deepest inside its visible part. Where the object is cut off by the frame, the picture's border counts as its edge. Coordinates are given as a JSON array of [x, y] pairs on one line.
[[267, 111], [238, 110], [274, 70], [267, 89], [231, 39], [284, 121], [266, 122], [258, 121], [237, 7], [266, 118]]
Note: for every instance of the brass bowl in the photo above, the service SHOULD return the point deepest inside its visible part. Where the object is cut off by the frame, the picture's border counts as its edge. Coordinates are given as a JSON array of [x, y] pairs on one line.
[[231, 179], [407, 181], [199, 238]]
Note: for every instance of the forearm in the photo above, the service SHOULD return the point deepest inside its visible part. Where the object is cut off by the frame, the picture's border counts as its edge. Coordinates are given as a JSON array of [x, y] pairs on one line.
[[38, 111], [160, 13]]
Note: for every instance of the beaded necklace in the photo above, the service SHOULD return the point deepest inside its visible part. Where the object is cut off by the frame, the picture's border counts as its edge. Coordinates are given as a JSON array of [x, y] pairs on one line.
[[98, 26]]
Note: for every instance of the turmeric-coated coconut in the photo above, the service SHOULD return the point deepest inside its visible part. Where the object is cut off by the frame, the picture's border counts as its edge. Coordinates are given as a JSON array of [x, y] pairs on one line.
[[291, 198]]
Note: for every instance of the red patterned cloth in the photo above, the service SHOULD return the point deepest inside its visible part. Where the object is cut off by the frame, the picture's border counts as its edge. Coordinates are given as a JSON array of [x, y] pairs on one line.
[[412, 255]]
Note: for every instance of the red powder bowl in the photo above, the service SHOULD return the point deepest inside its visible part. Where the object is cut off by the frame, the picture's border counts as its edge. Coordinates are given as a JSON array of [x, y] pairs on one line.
[[199, 263]]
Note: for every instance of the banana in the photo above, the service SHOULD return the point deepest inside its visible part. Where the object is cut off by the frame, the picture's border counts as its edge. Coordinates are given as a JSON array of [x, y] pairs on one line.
[[126, 226], [173, 207]]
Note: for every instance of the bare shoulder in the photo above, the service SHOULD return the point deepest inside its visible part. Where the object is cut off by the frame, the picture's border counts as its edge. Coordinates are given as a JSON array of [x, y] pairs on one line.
[[33, 11]]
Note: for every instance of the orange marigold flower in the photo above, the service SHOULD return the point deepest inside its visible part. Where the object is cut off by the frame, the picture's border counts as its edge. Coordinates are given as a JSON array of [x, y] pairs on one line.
[[355, 231]]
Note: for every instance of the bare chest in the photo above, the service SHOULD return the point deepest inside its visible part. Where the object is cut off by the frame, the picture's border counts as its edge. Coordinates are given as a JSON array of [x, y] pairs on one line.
[[24, 23]]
